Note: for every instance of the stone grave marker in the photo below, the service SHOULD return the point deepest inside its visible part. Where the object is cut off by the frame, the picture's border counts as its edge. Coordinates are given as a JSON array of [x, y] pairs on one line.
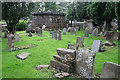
[[86, 33], [23, 55], [110, 70], [64, 31], [95, 32], [96, 45], [53, 35], [84, 63], [73, 31], [10, 38], [80, 41], [39, 31], [90, 27], [58, 35]]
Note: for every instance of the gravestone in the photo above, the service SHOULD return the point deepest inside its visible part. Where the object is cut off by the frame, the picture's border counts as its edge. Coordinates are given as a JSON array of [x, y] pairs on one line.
[[64, 31], [96, 45], [0, 31], [109, 38], [39, 31], [90, 27], [10, 38], [36, 30], [86, 33], [58, 35], [73, 31], [17, 37], [53, 35], [95, 32], [110, 70], [23, 55], [84, 63], [80, 41]]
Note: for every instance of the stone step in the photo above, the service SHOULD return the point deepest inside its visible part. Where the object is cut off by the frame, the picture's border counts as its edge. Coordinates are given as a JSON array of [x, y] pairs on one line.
[[60, 66], [63, 60], [63, 51]]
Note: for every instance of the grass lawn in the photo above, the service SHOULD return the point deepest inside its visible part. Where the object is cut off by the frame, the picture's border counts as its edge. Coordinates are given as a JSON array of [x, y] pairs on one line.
[[13, 67]]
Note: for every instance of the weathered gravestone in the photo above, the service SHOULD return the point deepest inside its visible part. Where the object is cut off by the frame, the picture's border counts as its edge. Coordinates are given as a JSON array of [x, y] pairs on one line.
[[95, 32], [96, 45], [39, 31], [58, 35], [23, 55], [73, 31], [110, 70], [86, 33], [90, 27], [64, 31], [84, 63], [109, 36], [53, 35], [1, 31], [10, 38]]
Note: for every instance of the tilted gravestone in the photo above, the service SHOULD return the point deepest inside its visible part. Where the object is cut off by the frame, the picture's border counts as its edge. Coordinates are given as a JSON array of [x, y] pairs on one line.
[[64, 31], [0, 31], [23, 55], [58, 35], [109, 38], [73, 31], [95, 32], [53, 35], [96, 45], [36, 30], [90, 27], [10, 38], [84, 63], [86, 33], [110, 70]]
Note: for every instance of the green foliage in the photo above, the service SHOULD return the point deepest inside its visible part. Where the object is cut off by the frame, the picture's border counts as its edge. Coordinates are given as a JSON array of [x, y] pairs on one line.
[[21, 26]]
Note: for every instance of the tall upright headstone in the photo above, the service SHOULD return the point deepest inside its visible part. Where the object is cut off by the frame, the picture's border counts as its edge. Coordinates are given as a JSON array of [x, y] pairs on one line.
[[84, 63], [86, 33], [90, 26], [58, 35], [80, 41], [64, 31], [96, 45], [110, 71], [73, 31], [95, 32]]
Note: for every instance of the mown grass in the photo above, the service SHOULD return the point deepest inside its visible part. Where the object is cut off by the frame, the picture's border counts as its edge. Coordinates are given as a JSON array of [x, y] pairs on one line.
[[13, 67]]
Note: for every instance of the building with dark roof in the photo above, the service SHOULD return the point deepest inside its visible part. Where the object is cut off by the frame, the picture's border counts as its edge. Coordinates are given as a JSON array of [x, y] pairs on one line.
[[52, 20]]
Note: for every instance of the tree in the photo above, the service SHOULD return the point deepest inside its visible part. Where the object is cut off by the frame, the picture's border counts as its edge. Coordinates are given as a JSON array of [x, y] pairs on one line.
[[12, 12]]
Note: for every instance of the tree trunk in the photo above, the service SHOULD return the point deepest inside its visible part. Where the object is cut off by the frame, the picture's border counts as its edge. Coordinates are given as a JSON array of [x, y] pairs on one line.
[[71, 23], [107, 27]]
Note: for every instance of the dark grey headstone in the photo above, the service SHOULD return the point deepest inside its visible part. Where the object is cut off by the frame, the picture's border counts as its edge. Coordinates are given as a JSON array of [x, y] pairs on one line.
[[73, 31], [84, 63], [80, 41], [95, 32], [96, 45], [90, 27], [23, 55], [110, 70], [86, 33]]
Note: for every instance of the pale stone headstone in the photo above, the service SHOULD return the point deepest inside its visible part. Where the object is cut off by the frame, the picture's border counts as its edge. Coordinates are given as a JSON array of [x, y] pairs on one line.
[[23, 55], [86, 33], [95, 32], [53, 35], [73, 31], [10, 38], [90, 27], [96, 45], [80, 41], [84, 63], [64, 31], [110, 70]]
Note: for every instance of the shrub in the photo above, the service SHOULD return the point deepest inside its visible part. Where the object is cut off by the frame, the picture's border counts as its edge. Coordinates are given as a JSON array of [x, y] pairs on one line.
[[21, 26]]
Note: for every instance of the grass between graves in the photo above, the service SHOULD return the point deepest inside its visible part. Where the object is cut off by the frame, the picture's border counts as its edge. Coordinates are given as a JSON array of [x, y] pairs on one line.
[[13, 67]]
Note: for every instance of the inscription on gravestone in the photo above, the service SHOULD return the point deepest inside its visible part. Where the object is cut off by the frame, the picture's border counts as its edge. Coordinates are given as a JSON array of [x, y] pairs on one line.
[[96, 45]]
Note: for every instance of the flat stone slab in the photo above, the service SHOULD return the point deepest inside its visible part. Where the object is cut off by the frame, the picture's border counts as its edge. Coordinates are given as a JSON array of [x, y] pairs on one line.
[[60, 66], [42, 66], [110, 70], [62, 75], [23, 55], [63, 51]]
